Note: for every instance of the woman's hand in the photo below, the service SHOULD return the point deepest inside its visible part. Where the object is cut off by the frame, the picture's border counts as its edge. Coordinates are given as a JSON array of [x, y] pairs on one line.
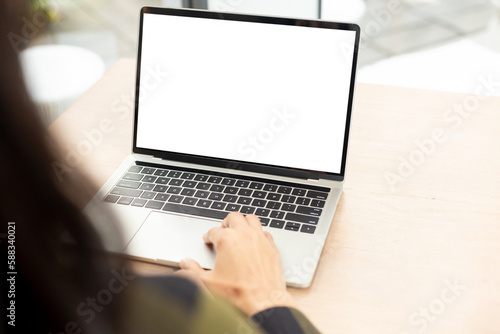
[[247, 268]]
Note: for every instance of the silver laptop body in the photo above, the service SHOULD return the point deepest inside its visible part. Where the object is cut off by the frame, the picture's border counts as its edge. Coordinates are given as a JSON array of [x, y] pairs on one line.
[[232, 112]]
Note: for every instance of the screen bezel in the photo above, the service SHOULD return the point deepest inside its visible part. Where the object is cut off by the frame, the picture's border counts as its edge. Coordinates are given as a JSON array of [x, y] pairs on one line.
[[236, 164]]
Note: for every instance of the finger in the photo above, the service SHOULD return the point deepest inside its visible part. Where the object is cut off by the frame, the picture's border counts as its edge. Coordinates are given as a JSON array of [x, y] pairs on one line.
[[191, 266], [234, 220], [213, 235], [254, 222], [269, 236]]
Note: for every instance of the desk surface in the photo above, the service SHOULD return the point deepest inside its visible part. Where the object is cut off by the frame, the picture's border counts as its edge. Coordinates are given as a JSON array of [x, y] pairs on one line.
[[415, 243]]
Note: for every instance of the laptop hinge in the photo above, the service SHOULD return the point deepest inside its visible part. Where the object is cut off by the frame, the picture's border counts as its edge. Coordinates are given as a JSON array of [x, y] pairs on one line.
[[313, 176]]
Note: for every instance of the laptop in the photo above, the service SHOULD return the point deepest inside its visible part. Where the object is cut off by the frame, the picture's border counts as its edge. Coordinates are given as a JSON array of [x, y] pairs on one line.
[[234, 112]]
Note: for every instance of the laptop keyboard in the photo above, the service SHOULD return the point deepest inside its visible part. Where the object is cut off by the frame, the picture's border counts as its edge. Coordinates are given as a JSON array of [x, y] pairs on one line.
[[280, 205]]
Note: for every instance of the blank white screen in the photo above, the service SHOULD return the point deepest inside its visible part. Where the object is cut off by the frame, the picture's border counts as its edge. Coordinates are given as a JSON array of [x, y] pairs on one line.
[[255, 92]]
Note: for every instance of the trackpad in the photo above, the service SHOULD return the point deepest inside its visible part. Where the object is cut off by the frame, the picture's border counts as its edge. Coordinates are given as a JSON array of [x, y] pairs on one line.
[[169, 238]]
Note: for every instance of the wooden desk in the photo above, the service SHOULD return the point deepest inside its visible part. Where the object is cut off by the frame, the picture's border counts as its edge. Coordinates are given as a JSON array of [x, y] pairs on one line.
[[422, 255]]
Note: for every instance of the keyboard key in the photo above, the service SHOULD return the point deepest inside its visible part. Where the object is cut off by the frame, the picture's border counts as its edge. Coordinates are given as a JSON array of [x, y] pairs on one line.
[[301, 218], [175, 174], [299, 192], [154, 205], [228, 182], [201, 194], [233, 207], [174, 190], [245, 192], [277, 223], [149, 195], [245, 200], [317, 194], [217, 188], [264, 221], [149, 178], [126, 192], [195, 211], [160, 189], [111, 198], [161, 172], [288, 207], [214, 179], [132, 177], [216, 196], [256, 185], [308, 229], [189, 184], [201, 177], [230, 198], [204, 203], [190, 201], [218, 205], [292, 226], [259, 194], [128, 184], [262, 212], [139, 202], [242, 184], [176, 182], [188, 192], [273, 197], [317, 203], [270, 187], [187, 176], [147, 186], [161, 197], [125, 200], [247, 210], [284, 190], [277, 214], [175, 199], [302, 201], [309, 211], [203, 186], [231, 190], [162, 180], [135, 169], [288, 199], [259, 202], [148, 170], [273, 205]]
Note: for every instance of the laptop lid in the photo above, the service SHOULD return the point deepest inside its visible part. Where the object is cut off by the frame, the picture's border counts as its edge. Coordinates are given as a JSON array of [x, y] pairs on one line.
[[255, 93]]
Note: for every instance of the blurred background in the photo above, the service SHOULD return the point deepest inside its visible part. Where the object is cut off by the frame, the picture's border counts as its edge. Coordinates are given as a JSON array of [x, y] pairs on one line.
[[429, 44]]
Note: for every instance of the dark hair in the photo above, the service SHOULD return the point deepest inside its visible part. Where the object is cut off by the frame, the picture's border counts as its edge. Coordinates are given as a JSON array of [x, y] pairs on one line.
[[58, 258]]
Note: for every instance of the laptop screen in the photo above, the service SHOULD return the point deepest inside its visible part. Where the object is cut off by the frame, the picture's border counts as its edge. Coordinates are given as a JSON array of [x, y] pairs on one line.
[[247, 91]]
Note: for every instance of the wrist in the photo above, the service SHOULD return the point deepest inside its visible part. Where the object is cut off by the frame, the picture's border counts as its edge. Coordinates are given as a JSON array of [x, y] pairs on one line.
[[258, 301]]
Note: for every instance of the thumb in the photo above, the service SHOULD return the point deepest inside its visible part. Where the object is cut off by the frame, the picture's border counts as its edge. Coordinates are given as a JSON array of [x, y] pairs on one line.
[[192, 266]]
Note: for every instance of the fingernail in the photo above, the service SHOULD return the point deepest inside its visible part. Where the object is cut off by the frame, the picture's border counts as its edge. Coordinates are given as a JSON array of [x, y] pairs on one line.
[[184, 264]]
